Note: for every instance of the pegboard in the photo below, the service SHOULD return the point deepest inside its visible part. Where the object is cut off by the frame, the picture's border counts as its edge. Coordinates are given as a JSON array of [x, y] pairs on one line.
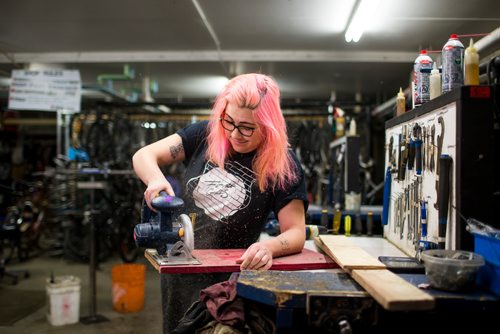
[[405, 221], [458, 124]]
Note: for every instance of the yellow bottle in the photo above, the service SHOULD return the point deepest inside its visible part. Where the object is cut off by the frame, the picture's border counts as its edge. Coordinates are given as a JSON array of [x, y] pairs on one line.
[[471, 64], [400, 103]]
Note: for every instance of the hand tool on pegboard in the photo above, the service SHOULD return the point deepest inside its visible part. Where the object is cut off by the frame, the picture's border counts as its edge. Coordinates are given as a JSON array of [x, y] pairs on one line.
[[443, 197], [403, 155], [417, 142], [439, 145]]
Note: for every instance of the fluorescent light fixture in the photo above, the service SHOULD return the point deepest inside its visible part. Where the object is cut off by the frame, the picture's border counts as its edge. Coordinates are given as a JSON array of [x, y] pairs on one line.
[[361, 18]]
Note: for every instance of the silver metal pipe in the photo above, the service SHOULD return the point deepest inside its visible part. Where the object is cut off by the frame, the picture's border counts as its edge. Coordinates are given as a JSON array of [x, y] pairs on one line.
[[488, 40]]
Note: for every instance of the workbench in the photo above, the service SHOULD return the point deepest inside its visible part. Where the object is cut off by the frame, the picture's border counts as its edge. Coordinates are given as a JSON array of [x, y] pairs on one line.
[[325, 299], [330, 301]]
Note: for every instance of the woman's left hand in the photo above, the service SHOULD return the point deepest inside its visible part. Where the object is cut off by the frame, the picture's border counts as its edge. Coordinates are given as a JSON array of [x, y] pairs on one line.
[[256, 257]]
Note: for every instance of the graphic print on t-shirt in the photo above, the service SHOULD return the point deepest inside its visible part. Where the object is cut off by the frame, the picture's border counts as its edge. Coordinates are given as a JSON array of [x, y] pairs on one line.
[[221, 193]]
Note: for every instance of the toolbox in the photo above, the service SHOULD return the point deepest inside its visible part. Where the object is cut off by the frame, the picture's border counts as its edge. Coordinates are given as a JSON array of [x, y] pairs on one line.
[[489, 248]]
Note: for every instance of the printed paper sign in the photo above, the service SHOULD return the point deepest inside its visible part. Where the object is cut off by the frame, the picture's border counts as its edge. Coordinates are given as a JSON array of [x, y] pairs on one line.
[[49, 90]]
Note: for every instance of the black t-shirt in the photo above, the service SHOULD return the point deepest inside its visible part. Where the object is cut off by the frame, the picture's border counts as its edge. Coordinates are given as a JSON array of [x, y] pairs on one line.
[[230, 209]]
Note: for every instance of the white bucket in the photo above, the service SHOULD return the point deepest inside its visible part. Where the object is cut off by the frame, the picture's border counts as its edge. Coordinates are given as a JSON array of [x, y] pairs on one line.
[[64, 300]]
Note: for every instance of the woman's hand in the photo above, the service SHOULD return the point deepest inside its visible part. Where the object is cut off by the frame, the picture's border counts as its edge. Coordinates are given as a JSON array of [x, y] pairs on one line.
[[256, 257], [153, 190]]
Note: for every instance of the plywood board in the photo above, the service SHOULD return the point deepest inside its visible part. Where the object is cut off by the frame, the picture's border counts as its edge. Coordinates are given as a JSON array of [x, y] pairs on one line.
[[348, 255], [392, 292], [224, 260]]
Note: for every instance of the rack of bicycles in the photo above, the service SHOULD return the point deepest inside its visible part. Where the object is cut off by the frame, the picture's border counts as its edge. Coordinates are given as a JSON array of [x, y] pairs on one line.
[[53, 215]]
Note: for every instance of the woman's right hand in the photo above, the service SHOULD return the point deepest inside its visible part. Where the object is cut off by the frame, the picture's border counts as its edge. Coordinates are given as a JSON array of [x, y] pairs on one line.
[[153, 190]]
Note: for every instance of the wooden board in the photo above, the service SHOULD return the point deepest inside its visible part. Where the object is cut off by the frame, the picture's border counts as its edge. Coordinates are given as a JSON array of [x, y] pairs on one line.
[[348, 255], [391, 291], [224, 260]]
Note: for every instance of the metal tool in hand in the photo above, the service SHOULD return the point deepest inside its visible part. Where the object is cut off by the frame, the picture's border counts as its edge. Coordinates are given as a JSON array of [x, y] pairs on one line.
[[168, 232]]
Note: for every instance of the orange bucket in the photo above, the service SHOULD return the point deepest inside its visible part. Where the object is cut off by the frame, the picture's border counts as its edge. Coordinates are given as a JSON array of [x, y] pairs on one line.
[[128, 287]]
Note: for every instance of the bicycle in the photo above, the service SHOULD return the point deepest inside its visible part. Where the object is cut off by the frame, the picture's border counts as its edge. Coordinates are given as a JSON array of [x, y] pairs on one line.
[[23, 224], [114, 216]]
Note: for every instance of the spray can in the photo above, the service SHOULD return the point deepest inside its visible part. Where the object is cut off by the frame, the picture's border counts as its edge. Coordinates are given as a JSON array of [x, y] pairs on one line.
[[452, 67], [471, 61], [421, 71], [435, 82]]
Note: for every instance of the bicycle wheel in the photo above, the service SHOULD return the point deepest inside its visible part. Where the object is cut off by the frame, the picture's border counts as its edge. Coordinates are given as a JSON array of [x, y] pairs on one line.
[[7, 249], [127, 219], [77, 241], [9, 244]]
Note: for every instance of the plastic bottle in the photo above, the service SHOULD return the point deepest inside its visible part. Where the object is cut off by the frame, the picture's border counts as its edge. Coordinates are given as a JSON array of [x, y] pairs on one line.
[[421, 78], [453, 60], [435, 82], [400, 103], [471, 65], [352, 127]]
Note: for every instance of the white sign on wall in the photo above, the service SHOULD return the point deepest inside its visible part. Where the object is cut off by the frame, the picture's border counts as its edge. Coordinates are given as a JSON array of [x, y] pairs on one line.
[[49, 90]]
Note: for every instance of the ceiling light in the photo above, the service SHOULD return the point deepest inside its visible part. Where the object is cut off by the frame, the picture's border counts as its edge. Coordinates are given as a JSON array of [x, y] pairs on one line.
[[360, 19]]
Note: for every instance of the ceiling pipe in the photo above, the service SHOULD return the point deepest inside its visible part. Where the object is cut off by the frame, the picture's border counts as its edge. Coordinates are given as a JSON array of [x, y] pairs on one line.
[[128, 74], [488, 40], [212, 33]]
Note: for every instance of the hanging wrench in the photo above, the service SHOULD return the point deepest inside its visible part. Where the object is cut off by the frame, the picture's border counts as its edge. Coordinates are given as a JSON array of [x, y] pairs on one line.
[[431, 148], [439, 149]]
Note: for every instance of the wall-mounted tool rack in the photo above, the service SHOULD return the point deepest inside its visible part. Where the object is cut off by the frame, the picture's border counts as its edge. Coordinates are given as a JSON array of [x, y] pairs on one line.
[[458, 127]]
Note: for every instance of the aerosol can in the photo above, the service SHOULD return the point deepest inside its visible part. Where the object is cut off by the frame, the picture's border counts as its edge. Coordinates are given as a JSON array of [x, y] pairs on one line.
[[421, 71], [453, 64]]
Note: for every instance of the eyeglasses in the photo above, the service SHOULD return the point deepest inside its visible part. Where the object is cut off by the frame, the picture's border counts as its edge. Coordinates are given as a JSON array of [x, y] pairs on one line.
[[245, 131]]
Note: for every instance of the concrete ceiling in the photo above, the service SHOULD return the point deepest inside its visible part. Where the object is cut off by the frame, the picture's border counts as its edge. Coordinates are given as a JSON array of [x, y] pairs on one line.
[[191, 47]]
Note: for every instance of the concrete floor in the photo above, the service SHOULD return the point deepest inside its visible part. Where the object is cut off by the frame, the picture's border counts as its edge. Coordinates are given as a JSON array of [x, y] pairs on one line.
[[149, 320]]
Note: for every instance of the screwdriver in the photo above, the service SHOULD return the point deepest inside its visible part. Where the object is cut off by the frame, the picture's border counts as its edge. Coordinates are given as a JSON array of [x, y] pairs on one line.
[[411, 154], [347, 225], [337, 216], [358, 224], [423, 217], [324, 218], [417, 133], [369, 224]]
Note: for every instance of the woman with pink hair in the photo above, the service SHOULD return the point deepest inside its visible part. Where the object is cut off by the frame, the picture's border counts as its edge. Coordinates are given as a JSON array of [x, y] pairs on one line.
[[239, 169]]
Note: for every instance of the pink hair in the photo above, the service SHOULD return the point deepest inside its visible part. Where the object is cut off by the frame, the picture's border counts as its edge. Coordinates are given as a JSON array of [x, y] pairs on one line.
[[272, 164]]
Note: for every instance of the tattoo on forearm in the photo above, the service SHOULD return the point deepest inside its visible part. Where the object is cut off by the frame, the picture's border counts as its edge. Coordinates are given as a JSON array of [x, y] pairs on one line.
[[175, 150], [284, 244]]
